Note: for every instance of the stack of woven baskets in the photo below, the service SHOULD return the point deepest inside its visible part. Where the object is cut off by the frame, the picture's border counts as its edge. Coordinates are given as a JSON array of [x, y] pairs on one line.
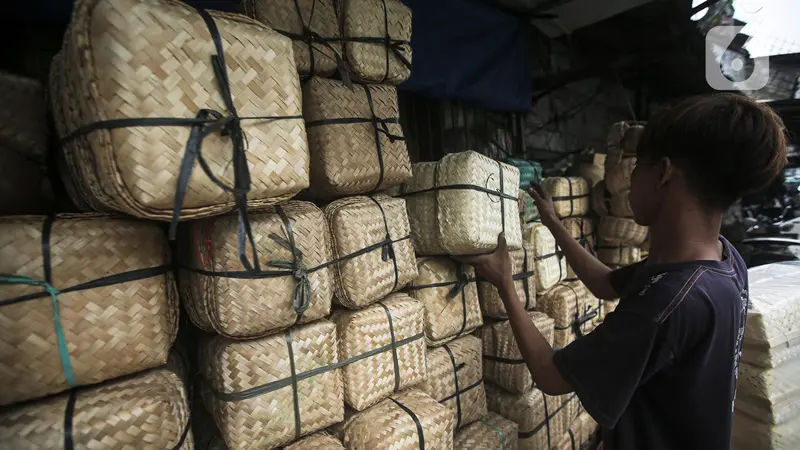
[[769, 372], [621, 241]]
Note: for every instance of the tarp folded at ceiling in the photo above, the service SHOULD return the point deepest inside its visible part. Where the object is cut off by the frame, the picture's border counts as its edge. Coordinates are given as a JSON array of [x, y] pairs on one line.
[[468, 50]]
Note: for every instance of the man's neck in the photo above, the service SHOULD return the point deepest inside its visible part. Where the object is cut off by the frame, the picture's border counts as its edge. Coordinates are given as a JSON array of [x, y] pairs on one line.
[[691, 234]]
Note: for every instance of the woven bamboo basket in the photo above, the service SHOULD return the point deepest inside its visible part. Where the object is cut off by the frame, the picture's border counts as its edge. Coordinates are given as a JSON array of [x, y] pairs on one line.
[[623, 140], [570, 195], [528, 212], [409, 420], [750, 434], [366, 25], [464, 219], [146, 411], [493, 432], [771, 395], [380, 223], [618, 177], [550, 266], [773, 320], [292, 18], [449, 293], [621, 231], [241, 306], [529, 171], [393, 331], [618, 255], [81, 335], [580, 432], [537, 430], [455, 379], [318, 441], [571, 306], [136, 170], [502, 361], [523, 267], [252, 395], [350, 152]]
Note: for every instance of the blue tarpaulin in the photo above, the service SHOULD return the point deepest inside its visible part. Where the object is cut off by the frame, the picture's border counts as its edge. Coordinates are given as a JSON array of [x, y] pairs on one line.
[[468, 50]]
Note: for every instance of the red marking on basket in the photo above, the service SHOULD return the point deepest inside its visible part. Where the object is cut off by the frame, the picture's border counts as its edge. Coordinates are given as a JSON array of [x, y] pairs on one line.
[[204, 238]]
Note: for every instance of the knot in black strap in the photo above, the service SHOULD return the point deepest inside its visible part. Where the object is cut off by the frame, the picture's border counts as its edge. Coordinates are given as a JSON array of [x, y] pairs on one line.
[[461, 283], [387, 251], [301, 295]]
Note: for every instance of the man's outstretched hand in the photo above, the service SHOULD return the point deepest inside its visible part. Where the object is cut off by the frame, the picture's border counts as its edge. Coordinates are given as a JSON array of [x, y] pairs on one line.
[[544, 204], [494, 267]]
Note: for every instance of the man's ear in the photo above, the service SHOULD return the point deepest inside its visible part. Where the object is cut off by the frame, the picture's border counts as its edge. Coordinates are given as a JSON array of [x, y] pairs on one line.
[[666, 170]]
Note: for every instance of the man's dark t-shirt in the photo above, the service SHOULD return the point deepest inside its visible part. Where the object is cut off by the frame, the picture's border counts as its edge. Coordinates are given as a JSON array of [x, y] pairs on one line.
[[660, 372]]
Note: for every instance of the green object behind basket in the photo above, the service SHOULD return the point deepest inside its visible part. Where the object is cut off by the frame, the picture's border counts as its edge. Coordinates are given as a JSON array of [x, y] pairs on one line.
[[529, 171], [528, 212]]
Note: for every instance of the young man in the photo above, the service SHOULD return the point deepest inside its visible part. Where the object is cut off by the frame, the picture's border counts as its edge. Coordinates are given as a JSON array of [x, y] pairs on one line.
[[660, 372]]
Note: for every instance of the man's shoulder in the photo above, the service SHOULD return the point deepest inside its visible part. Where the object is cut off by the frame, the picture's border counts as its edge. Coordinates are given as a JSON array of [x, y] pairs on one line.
[[655, 292]]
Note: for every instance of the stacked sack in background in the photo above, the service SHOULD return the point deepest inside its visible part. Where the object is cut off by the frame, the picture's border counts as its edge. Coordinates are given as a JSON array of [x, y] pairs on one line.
[[768, 393], [620, 239]]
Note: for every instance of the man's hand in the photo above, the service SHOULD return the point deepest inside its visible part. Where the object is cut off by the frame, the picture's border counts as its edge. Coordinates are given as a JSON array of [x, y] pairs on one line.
[[494, 267], [544, 204]]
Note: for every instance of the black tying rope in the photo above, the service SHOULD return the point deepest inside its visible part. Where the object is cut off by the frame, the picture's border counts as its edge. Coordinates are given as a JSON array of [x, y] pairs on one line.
[[502, 360], [286, 382], [379, 125], [295, 399], [311, 37], [525, 284], [571, 197], [579, 319], [205, 123], [301, 296], [546, 422], [395, 361], [458, 286], [420, 432], [387, 250], [456, 368]]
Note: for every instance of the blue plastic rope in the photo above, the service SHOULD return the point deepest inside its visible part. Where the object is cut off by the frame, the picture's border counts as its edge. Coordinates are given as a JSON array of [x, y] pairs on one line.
[[63, 351], [497, 430]]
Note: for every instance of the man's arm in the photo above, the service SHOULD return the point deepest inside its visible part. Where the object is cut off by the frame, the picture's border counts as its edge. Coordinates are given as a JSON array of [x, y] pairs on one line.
[[593, 273], [534, 348]]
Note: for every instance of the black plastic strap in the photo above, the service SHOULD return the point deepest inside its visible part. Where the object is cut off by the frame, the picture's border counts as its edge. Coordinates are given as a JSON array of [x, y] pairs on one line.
[[375, 121], [257, 275], [69, 416], [463, 390], [525, 284], [502, 360], [455, 377], [572, 438], [295, 399], [285, 382], [124, 277], [184, 435], [301, 295], [455, 187], [388, 247], [47, 229], [395, 361], [462, 282], [420, 432], [502, 199], [546, 422]]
